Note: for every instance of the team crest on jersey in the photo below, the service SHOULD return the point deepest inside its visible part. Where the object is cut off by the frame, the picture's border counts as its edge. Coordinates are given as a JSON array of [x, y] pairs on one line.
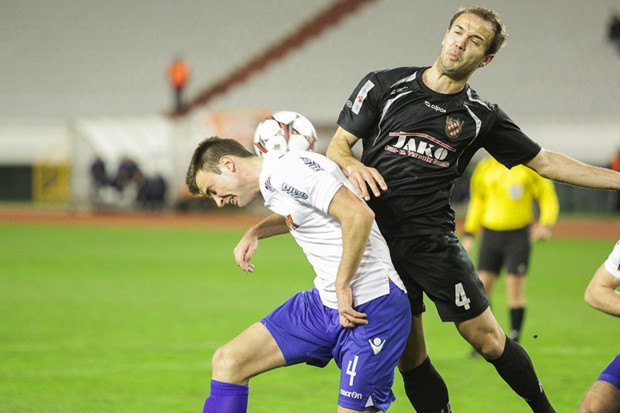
[[312, 164], [453, 127], [292, 191], [268, 185]]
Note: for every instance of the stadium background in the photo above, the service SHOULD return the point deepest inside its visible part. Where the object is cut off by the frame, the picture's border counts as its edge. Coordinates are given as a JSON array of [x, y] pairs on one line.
[[115, 312], [85, 78]]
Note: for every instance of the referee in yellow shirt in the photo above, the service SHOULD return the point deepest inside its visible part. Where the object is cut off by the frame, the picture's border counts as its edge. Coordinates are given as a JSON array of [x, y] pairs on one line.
[[502, 210]]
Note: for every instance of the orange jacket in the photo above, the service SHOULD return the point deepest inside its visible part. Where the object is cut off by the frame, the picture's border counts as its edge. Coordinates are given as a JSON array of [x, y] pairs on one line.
[[178, 74]]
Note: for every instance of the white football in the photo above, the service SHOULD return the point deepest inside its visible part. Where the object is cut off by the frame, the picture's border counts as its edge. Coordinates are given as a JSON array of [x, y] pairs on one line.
[[284, 131]]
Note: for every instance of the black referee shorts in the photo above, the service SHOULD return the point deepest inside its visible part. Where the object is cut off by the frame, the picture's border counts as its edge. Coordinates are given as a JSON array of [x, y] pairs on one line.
[[438, 266], [505, 249]]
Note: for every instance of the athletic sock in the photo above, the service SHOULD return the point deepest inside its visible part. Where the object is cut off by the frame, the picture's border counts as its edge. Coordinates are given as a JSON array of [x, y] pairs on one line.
[[516, 368], [426, 389], [516, 321], [227, 398]]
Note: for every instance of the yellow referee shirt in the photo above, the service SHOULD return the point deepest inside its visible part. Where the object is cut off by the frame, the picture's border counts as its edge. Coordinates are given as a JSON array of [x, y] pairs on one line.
[[503, 199]]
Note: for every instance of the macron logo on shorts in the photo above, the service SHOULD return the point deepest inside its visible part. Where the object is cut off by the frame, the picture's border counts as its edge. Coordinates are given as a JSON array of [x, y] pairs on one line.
[[376, 344]]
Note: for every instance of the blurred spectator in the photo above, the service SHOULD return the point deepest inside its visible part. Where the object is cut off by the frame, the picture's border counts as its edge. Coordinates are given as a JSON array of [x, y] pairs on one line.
[[614, 30], [178, 75], [98, 176], [125, 174], [152, 192]]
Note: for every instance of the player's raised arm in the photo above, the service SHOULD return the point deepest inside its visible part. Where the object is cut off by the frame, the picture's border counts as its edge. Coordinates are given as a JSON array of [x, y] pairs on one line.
[[274, 224], [362, 176], [562, 168]]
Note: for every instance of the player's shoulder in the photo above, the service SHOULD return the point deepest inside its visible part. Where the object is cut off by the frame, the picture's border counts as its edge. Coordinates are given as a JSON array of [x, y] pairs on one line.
[[472, 99], [393, 75], [302, 162]]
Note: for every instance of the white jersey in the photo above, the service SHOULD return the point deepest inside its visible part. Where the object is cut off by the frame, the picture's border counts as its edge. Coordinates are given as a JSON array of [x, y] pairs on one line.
[[612, 264], [300, 186]]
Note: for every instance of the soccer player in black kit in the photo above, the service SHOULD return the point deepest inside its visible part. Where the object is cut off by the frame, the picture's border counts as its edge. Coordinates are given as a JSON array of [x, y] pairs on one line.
[[420, 127]]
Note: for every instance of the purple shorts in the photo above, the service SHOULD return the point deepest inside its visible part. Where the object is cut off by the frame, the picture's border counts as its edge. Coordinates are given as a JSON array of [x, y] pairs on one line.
[[611, 374], [308, 332]]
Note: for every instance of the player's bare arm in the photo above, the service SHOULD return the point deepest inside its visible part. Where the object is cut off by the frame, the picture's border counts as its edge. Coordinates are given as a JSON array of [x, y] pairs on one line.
[[362, 176], [562, 168], [601, 292], [356, 219], [274, 224]]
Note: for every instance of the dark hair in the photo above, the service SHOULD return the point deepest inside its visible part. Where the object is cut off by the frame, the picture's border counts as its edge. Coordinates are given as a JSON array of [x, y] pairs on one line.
[[207, 157], [499, 39]]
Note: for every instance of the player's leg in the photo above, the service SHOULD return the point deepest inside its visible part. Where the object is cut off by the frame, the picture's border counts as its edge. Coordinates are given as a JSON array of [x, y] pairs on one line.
[[602, 397], [454, 286], [368, 354], [488, 280], [515, 295], [425, 388], [518, 247], [252, 352]]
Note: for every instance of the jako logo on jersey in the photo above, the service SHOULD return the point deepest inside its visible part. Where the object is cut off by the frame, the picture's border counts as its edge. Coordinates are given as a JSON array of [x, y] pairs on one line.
[[295, 193], [434, 107], [312, 164], [420, 146], [351, 394], [376, 344], [453, 127]]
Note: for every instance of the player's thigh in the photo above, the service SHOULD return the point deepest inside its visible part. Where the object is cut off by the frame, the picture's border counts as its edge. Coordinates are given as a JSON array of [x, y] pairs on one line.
[[603, 397], [252, 352], [491, 252], [368, 354], [439, 266], [517, 248]]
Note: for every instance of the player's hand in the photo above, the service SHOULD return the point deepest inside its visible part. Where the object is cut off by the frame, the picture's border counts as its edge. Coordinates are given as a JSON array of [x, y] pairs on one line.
[[363, 177], [468, 243], [244, 251], [349, 318], [541, 232]]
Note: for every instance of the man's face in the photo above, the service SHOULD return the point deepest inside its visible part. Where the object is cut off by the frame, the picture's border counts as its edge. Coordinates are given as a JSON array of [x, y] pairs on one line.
[[464, 46], [227, 188]]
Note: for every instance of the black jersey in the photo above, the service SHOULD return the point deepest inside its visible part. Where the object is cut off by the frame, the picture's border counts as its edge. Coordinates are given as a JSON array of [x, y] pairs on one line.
[[420, 141]]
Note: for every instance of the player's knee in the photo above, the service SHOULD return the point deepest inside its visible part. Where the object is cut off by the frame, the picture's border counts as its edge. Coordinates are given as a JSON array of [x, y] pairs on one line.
[[586, 407], [411, 359], [224, 365]]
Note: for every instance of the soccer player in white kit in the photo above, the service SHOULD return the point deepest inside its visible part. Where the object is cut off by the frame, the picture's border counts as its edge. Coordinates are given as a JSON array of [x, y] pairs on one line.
[[602, 294], [357, 313]]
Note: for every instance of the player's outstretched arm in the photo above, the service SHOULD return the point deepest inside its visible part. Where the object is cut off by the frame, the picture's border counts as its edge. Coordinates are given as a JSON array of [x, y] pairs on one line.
[[362, 177], [356, 219], [601, 292], [562, 168], [274, 224]]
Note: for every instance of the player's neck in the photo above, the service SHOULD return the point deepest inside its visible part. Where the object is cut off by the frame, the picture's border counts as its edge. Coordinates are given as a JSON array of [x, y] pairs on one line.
[[440, 82]]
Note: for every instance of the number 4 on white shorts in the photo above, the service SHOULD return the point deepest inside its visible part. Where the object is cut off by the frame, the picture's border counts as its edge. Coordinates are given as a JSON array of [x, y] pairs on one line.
[[460, 298]]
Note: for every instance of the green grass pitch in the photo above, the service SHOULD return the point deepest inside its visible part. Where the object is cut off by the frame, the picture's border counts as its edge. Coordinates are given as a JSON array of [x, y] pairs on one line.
[[112, 319]]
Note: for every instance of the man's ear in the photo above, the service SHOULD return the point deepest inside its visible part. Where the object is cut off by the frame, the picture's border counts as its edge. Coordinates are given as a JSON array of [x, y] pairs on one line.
[[228, 163], [487, 59]]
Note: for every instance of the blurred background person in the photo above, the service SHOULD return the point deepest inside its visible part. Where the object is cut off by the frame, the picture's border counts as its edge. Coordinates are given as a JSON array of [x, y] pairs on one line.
[[178, 76], [99, 178], [601, 293], [502, 208]]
